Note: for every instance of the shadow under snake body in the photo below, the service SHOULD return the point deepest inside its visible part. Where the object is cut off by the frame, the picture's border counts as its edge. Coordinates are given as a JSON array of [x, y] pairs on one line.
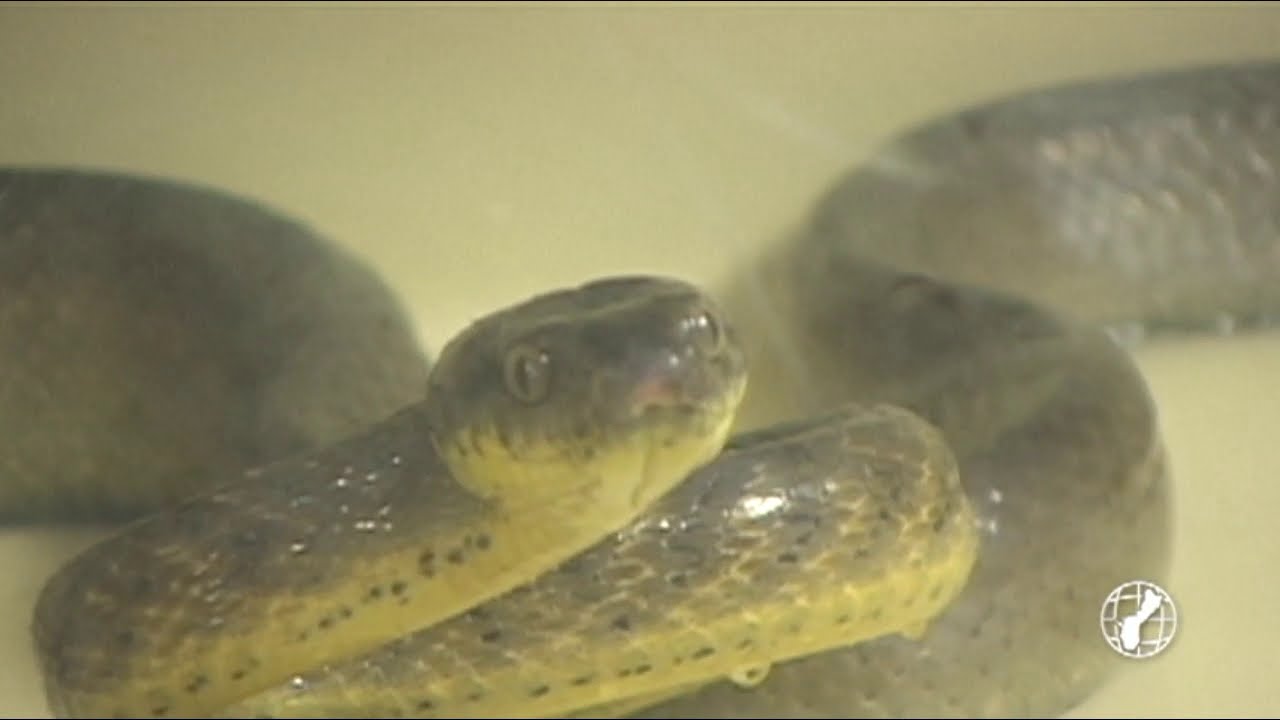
[[161, 339]]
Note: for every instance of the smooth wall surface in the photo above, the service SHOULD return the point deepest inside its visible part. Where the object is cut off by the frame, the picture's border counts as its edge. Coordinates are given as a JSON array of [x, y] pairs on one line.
[[477, 154]]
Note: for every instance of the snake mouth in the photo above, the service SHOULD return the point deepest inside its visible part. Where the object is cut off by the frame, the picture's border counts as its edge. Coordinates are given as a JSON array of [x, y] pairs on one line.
[[674, 385], [683, 420], [658, 392], [674, 403]]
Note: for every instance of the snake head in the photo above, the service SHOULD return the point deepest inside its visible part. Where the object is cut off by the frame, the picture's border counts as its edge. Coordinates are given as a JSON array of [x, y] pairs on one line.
[[620, 386]]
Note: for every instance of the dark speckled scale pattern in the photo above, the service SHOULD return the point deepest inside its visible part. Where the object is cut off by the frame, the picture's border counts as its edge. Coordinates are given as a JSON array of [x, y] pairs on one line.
[[851, 495], [296, 528]]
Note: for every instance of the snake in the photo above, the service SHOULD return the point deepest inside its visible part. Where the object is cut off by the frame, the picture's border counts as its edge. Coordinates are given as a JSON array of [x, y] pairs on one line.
[[892, 469]]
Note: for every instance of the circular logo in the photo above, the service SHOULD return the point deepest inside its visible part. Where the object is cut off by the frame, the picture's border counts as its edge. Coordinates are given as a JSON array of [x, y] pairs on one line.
[[1139, 619]]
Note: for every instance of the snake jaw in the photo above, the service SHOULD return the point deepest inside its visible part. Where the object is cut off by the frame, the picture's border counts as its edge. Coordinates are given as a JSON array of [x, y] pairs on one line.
[[689, 420], [641, 491]]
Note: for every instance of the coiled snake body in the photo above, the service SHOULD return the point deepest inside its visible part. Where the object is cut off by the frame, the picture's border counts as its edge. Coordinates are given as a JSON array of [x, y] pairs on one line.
[[524, 540]]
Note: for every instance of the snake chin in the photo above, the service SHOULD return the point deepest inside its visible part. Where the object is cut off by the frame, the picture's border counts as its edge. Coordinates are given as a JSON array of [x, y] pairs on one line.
[[681, 438]]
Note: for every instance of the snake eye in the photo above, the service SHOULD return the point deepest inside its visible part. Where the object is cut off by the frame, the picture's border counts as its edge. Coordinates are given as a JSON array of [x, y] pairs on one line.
[[705, 332], [527, 373]]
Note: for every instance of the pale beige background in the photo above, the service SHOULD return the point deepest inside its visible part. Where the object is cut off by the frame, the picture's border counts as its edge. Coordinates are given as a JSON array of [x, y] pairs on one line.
[[476, 155]]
